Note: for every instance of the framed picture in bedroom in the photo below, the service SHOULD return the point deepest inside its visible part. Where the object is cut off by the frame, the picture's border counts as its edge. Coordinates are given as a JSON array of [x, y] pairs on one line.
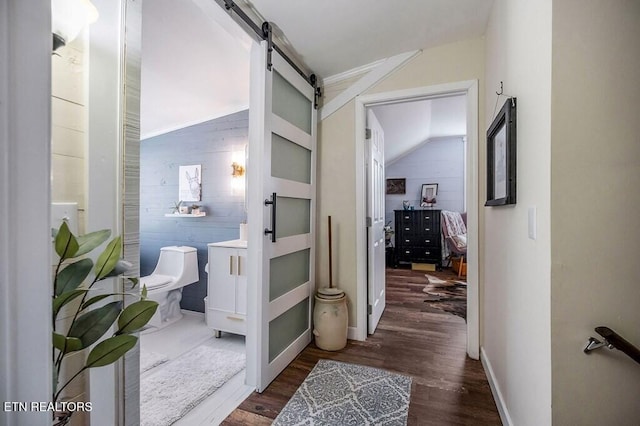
[[397, 186], [501, 157], [428, 194]]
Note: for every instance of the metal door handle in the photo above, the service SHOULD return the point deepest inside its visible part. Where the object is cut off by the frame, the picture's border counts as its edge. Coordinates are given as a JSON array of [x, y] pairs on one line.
[[230, 265], [272, 203]]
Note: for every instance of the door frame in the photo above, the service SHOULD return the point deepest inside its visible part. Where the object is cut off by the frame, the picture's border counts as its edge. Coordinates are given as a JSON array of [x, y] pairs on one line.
[[25, 247], [470, 89]]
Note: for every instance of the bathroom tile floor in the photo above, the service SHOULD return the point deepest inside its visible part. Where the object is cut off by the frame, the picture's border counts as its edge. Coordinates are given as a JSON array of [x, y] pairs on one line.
[[185, 335]]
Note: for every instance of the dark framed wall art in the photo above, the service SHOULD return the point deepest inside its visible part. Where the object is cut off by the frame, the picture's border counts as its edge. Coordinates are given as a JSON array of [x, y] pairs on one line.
[[501, 157], [397, 186], [428, 194]]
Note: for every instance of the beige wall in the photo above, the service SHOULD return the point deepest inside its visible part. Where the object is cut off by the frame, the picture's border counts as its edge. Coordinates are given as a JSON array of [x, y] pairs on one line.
[[595, 172], [336, 160], [516, 306]]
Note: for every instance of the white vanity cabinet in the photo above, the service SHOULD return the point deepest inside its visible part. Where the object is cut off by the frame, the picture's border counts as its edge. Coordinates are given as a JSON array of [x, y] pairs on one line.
[[227, 287]]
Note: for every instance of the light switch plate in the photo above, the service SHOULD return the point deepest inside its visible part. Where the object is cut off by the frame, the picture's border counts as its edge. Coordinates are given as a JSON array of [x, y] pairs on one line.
[[532, 223]]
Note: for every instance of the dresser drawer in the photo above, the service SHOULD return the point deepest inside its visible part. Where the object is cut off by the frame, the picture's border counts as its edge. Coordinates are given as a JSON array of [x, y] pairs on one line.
[[409, 229], [429, 217], [430, 230], [418, 240], [419, 252], [427, 253], [409, 217]]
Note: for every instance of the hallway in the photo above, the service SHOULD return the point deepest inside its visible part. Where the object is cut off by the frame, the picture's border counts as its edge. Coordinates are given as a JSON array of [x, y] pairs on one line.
[[448, 388]]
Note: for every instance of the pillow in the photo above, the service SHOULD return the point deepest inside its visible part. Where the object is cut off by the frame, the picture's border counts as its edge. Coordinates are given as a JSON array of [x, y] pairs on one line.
[[460, 241]]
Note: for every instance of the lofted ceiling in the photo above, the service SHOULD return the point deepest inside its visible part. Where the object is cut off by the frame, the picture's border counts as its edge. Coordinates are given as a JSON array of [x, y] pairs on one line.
[[195, 60], [193, 68], [408, 125], [333, 36]]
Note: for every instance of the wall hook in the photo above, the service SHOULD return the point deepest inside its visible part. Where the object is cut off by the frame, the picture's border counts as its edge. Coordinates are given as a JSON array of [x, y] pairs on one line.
[[595, 344], [501, 92]]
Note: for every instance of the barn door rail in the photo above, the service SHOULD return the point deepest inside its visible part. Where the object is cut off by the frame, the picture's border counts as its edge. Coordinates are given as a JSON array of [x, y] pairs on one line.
[[612, 340]]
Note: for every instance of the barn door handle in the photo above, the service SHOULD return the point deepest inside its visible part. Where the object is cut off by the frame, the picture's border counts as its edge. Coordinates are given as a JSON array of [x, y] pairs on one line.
[[272, 203]]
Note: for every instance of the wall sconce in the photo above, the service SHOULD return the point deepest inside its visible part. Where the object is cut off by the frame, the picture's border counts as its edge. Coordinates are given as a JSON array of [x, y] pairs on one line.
[[68, 18], [238, 170]]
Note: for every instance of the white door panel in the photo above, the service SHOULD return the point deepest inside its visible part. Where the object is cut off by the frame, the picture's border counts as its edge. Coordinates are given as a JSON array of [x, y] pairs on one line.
[[375, 214], [281, 172]]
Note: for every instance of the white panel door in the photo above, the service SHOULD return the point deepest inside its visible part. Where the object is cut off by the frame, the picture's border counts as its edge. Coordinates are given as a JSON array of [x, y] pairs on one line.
[[375, 222], [282, 180]]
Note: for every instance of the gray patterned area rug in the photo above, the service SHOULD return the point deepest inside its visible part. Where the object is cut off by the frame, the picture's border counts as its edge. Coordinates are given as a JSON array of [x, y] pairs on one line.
[[337, 393]]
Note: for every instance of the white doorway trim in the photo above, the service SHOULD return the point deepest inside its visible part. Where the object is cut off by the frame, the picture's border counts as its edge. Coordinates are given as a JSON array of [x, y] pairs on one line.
[[25, 245], [470, 89]]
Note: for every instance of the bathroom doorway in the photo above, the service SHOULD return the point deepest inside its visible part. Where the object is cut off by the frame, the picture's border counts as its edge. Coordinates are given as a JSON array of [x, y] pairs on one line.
[[194, 123]]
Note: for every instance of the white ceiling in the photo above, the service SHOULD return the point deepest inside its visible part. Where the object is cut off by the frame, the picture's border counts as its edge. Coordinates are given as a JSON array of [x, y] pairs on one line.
[[407, 125], [332, 36], [195, 60], [193, 69]]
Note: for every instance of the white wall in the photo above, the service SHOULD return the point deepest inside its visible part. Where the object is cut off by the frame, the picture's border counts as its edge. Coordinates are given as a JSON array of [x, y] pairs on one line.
[[516, 327], [69, 126], [68, 179], [336, 154], [595, 171], [440, 161]]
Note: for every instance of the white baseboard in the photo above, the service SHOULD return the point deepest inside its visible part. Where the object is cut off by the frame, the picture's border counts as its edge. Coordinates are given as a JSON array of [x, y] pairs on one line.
[[352, 333], [495, 389]]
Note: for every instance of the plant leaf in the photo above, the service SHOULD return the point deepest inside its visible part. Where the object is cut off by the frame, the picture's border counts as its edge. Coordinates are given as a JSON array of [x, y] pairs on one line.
[[94, 299], [64, 298], [136, 316], [110, 350], [91, 326], [66, 344], [55, 380], [72, 276], [134, 282], [92, 240], [121, 267], [66, 244], [143, 294], [108, 258]]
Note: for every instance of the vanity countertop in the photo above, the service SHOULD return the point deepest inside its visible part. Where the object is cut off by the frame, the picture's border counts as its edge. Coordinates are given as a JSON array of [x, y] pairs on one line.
[[230, 244]]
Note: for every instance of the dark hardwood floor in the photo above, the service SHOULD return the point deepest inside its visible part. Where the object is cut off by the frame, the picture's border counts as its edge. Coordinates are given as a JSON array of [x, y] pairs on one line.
[[448, 387]]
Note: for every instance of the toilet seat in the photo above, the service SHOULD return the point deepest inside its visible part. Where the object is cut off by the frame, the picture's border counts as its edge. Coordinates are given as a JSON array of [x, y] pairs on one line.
[[155, 281]]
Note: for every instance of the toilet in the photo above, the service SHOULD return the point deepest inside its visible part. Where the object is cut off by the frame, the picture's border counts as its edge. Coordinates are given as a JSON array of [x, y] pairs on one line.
[[176, 268]]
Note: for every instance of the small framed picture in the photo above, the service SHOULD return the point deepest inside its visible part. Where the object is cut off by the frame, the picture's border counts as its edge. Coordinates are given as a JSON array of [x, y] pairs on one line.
[[501, 157], [396, 186], [190, 183], [428, 194]]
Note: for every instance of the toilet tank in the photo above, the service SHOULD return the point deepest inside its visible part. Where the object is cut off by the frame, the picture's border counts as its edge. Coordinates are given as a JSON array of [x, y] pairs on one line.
[[180, 262]]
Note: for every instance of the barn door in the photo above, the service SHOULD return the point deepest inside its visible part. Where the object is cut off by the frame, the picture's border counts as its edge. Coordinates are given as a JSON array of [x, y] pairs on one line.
[[282, 153]]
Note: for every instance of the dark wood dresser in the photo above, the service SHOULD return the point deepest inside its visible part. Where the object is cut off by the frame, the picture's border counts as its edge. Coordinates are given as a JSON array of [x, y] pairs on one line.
[[418, 238]]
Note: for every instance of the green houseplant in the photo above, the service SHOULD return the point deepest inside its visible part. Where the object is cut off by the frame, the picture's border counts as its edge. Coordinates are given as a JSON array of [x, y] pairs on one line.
[[90, 319]]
